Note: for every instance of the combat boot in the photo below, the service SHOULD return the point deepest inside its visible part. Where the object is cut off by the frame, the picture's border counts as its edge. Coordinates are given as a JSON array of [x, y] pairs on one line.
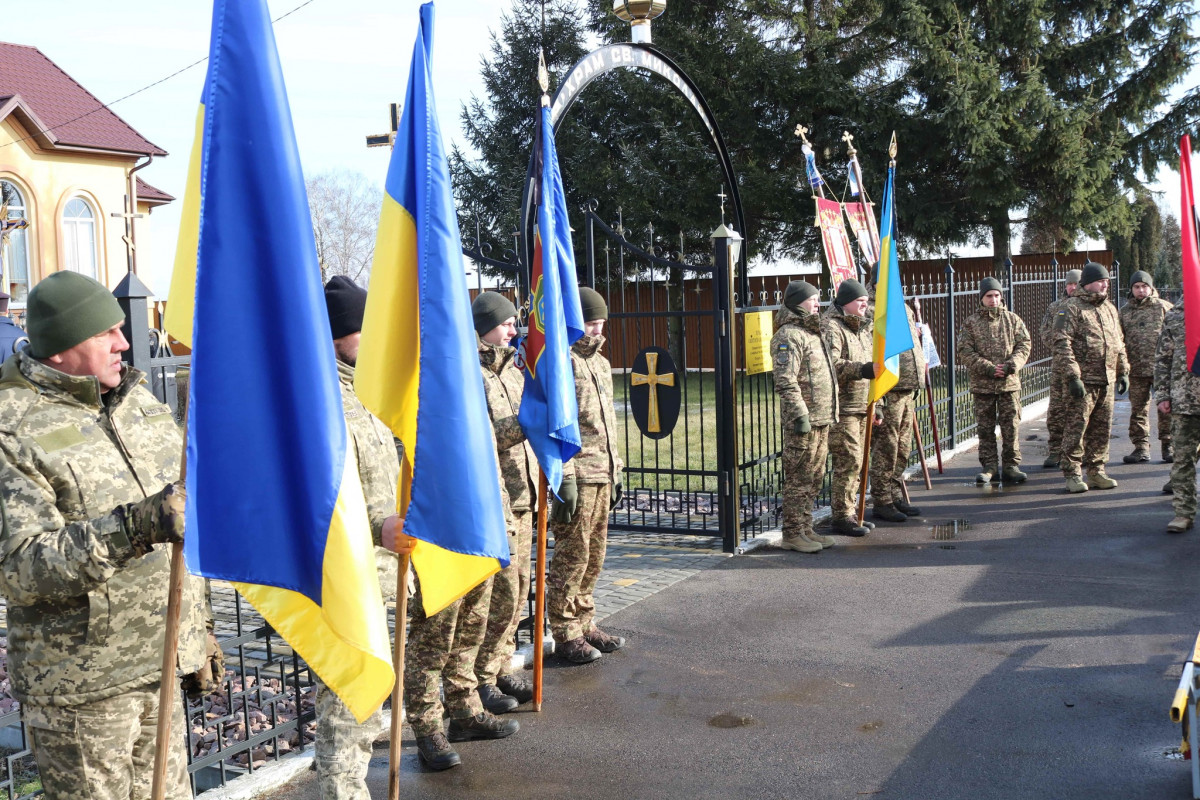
[[984, 476], [1098, 480], [907, 509], [1168, 453], [435, 752], [1013, 475], [1051, 462], [481, 726], [888, 513], [1075, 484], [801, 544], [847, 527], [604, 642], [1167, 488], [577, 651], [515, 686], [1179, 525], [1138, 456], [496, 701], [824, 541]]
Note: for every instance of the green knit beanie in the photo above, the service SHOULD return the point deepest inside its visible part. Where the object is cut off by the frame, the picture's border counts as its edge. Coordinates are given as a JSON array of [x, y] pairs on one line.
[[848, 291], [1141, 276], [66, 308], [796, 293], [593, 304], [989, 285], [490, 309]]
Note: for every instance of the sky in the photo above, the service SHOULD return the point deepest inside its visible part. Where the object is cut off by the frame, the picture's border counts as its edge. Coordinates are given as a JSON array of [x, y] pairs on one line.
[[343, 61]]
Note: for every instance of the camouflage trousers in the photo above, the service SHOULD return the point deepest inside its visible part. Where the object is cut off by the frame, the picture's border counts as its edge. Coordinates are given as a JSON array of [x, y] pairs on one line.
[[104, 750], [578, 558], [343, 747], [891, 443], [1085, 434], [1139, 414], [846, 447], [440, 653], [510, 594], [1003, 409], [1186, 435], [804, 459], [1056, 414]]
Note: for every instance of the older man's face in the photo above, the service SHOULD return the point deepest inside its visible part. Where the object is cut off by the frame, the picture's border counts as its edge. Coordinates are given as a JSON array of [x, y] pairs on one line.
[[99, 356]]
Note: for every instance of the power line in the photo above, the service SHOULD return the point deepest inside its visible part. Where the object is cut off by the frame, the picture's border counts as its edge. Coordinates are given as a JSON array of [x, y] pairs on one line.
[[109, 105]]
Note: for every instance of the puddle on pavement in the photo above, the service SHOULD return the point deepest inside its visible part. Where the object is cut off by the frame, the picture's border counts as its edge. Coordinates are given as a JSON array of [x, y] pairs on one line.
[[731, 720], [871, 727], [950, 530]]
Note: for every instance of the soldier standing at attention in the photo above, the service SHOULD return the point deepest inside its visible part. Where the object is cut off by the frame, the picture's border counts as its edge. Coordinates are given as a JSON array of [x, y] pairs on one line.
[[343, 746], [591, 487], [89, 491], [1058, 382], [806, 382], [1178, 393], [892, 440], [500, 688], [847, 336], [993, 345], [1090, 352], [1141, 320]]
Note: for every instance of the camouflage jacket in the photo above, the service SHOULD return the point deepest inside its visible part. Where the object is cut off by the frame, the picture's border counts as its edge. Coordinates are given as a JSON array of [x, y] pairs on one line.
[[1087, 340], [86, 614], [1046, 329], [598, 461], [1141, 320], [503, 385], [990, 337], [848, 340], [805, 378], [912, 362], [1173, 381], [378, 472]]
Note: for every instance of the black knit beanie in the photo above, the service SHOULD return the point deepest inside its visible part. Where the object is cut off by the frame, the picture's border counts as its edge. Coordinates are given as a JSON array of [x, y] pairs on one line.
[[345, 301], [796, 293]]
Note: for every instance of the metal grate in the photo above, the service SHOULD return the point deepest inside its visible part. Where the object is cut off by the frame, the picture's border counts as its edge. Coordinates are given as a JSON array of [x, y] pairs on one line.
[[950, 530]]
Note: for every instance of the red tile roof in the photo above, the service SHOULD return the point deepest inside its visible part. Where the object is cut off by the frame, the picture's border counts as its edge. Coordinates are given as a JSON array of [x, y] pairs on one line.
[[151, 194], [70, 115]]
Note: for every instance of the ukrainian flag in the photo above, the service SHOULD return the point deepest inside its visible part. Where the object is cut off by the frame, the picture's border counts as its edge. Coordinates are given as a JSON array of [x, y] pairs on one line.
[[892, 334], [418, 363], [274, 500]]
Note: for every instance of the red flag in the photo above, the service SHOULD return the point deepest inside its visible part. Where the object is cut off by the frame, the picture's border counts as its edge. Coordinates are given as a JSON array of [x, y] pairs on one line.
[[1191, 256]]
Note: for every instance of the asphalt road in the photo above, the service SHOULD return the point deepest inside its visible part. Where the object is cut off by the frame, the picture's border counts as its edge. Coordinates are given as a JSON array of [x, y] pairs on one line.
[[1034, 655]]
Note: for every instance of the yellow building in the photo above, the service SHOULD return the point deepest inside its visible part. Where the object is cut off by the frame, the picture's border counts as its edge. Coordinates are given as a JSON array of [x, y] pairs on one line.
[[67, 166]]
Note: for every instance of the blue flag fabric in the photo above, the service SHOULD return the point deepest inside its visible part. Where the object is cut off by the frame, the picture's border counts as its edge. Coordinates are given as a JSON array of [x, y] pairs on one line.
[[549, 413]]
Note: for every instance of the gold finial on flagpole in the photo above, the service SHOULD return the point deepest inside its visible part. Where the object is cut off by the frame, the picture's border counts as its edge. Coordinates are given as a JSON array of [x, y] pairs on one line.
[[543, 77], [800, 131], [892, 150], [849, 140]]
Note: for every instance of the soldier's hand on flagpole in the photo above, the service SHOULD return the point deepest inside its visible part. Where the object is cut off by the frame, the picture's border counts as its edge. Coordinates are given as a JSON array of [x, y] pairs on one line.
[[1164, 406], [393, 537]]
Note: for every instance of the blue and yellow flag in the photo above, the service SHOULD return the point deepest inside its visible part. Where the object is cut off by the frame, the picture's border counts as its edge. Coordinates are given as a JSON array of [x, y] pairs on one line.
[[274, 500], [892, 334], [418, 363], [549, 412]]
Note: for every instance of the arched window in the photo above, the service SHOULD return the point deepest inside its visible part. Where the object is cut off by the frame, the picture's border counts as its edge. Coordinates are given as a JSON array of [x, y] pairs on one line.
[[16, 245], [79, 238]]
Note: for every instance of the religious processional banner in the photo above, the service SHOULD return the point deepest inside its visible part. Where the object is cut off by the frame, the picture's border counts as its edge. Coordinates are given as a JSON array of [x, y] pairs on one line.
[[833, 237], [861, 217]]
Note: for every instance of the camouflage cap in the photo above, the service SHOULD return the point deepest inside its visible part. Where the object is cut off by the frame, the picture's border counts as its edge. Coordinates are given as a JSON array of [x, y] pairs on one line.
[[66, 308]]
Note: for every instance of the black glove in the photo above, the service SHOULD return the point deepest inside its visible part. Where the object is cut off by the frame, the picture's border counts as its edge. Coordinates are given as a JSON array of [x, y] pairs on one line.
[[802, 425], [1122, 384], [614, 496], [1076, 387], [867, 370], [209, 677], [1010, 368], [156, 520], [567, 502]]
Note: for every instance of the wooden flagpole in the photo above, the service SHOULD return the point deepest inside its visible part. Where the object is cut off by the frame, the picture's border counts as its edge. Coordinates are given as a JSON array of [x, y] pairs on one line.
[[394, 739], [862, 483], [937, 440], [921, 450], [539, 603]]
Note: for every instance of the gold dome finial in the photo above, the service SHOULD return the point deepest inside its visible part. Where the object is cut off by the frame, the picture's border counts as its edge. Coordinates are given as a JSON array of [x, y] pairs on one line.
[[639, 13]]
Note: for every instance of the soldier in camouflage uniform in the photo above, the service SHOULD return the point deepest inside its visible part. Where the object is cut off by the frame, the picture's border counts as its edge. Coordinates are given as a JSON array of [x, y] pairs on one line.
[[847, 335], [892, 440], [807, 384], [1141, 320], [1058, 382], [1090, 352], [993, 346], [1178, 391], [590, 489], [89, 494], [502, 689], [343, 746]]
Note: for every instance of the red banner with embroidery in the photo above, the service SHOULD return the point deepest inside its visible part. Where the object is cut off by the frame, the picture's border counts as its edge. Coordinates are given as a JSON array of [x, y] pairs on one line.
[[861, 217], [837, 246]]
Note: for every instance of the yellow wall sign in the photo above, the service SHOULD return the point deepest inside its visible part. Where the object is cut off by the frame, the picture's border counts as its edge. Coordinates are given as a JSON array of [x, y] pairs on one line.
[[758, 341]]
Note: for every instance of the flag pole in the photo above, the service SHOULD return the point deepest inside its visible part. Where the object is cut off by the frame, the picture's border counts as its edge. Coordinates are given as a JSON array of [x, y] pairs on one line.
[[394, 738], [937, 441], [921, 449], [862, 483], [539, 603]]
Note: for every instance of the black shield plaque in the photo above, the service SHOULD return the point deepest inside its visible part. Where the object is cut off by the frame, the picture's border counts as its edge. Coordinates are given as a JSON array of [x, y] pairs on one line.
[[654, 391]]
